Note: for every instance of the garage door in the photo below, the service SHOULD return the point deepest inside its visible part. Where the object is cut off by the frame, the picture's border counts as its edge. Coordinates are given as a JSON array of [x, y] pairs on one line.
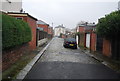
[[88, 40], [77, 39]]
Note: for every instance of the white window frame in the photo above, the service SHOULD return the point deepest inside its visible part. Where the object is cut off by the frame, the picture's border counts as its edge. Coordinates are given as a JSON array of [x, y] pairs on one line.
[[19, 18]]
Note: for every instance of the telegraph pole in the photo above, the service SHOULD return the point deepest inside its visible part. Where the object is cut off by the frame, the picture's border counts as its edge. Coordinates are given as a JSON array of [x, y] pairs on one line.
[[118, 5], [52, 24]]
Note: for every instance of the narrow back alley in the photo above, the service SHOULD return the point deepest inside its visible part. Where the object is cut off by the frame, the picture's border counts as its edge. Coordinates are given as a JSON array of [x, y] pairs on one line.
[[58, 62]]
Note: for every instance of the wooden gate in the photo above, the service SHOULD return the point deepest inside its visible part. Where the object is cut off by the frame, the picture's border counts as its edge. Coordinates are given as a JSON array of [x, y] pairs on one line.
[[115, 48], [99, 44]]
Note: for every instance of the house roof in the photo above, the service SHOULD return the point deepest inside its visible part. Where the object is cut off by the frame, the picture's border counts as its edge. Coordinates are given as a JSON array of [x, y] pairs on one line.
[[21, 14], [41, 22], [60, 26], [88, 25]]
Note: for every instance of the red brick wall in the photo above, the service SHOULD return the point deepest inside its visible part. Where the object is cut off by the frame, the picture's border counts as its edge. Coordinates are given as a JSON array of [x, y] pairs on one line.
[[45, 27], [93, 42], [82, 39], [106, 48], [63, 36], [32, 23], [81, 29], [12, 55], [50, 31]]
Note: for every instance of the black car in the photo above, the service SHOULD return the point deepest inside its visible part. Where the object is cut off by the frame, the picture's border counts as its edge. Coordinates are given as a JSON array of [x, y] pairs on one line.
[[70, 43]]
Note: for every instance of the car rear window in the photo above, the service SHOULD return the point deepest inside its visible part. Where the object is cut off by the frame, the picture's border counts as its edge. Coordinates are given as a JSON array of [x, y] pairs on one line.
[[70, 39]]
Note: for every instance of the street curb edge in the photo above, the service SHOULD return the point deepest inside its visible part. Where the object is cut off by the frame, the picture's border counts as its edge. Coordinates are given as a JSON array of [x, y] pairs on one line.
[[29, 66]]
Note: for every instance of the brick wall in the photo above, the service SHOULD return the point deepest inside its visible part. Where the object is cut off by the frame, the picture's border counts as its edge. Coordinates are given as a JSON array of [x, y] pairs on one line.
[[82, 36], [81, 29], [50, 31], [82, 39], [32, 23], [106, 48], [12, 55], [93, 42]]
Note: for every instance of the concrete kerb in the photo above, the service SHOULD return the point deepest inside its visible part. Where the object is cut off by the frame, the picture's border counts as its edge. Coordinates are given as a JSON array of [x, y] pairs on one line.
[[100, 60], [106, 63], [29, 66]]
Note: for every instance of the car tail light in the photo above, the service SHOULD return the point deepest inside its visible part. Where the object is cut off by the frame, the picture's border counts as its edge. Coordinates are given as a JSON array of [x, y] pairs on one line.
[[67, 42]]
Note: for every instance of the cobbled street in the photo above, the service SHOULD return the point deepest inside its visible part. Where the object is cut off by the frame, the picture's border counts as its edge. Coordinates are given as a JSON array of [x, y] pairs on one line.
[[58, 62], [56, 52]]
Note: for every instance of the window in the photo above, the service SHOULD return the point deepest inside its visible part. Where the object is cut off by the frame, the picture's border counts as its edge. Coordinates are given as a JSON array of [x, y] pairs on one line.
[[19, 18]]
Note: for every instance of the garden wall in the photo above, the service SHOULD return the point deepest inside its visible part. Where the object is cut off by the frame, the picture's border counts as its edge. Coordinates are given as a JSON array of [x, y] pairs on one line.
[[10, 56]]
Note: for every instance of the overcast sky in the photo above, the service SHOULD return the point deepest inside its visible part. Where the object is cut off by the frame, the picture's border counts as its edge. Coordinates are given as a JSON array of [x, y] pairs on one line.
[[69, 12]]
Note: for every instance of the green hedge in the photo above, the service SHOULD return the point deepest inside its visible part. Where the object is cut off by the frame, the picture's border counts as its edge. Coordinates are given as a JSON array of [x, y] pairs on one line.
[[109, 26], [14, 32]]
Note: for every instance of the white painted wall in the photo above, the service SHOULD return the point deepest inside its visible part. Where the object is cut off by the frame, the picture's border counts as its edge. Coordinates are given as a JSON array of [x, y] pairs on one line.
[[11, 5], [77, 39], [59, 30], [78, 29]]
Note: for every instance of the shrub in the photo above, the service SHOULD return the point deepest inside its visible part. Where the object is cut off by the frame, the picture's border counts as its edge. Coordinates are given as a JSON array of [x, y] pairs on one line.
[[14, 32], [109, 26]]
